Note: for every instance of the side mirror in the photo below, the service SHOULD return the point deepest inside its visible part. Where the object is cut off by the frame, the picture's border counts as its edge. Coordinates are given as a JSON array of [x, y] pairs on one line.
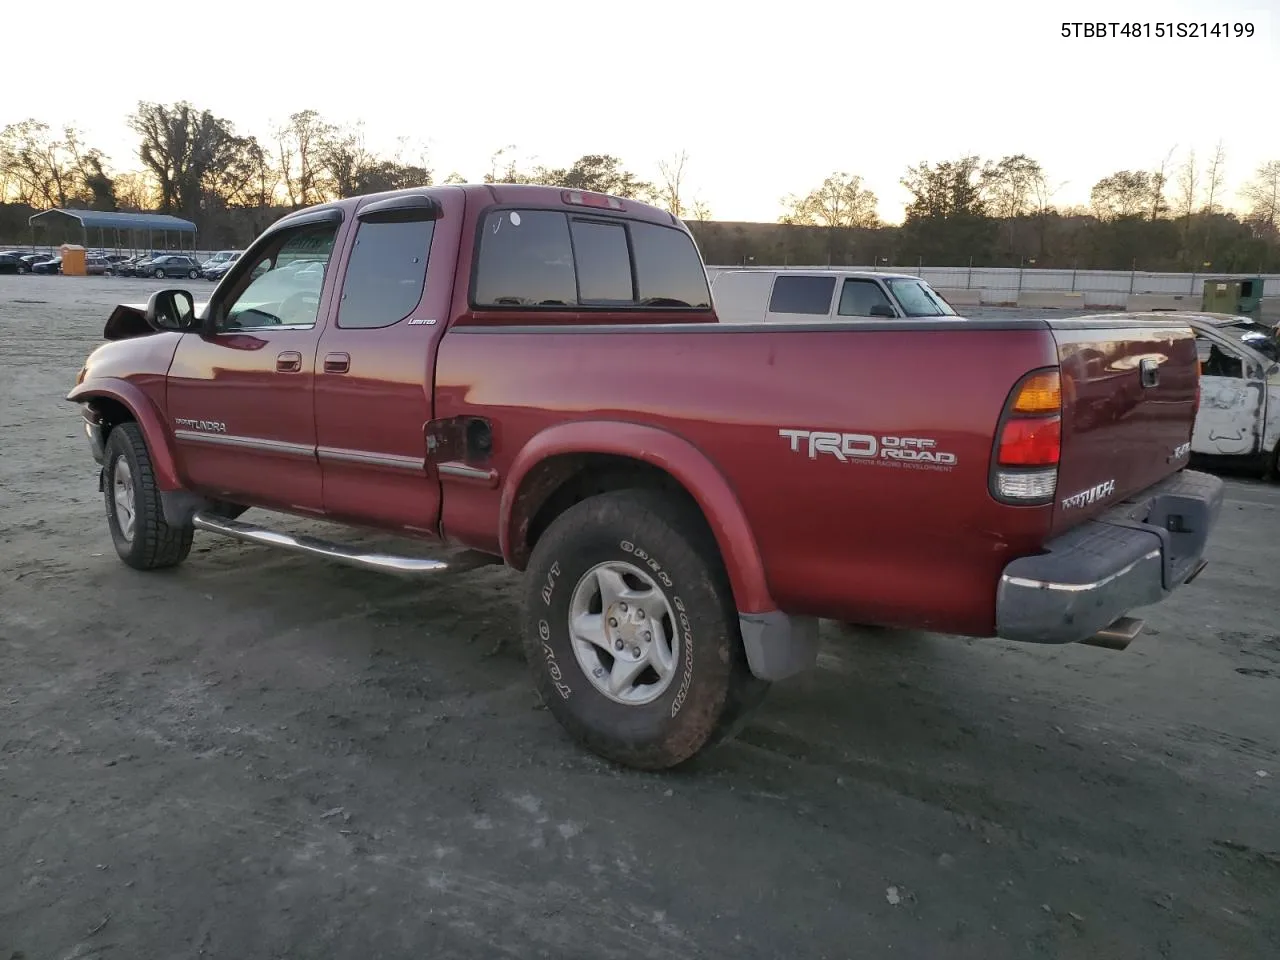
[[882, 310], [173, 310]]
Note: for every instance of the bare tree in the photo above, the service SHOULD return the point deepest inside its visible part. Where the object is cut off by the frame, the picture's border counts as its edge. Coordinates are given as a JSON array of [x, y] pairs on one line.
[[1262, 194], [1010, 184], [671, 181], [1159, 180], [135, 191], [345, 159], [299, 144], [841, 201], [1188, 187], [182, 148], [1213, 179], [701, 211], [1123, 194]]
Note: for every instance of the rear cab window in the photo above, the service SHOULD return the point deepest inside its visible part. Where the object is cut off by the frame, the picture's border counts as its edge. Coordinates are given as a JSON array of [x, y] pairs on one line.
[[801, 294], [554, 259]]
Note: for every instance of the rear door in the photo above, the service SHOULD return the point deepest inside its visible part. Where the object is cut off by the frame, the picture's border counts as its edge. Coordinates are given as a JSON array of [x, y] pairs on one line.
[[1233, 398], [375, 363], [1128, 395], [801, 298]]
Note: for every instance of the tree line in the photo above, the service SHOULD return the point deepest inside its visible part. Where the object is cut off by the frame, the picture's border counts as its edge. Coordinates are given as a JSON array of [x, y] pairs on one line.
[[988, 212]]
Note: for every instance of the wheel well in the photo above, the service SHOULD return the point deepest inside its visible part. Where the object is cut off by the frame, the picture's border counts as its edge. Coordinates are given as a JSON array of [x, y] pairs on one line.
[[111, 413], [557, 483]]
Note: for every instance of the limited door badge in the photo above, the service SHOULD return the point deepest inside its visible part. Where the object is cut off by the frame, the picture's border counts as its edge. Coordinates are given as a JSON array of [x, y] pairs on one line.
[[422, 322]]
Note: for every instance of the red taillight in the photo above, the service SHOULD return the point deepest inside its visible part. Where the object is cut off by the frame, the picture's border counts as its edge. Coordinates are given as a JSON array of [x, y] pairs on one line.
[[1028, 446], [1031, 442], [580, 198]]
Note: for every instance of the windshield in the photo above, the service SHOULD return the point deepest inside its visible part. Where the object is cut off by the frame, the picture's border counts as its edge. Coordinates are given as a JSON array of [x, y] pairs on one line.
[[918, 299]]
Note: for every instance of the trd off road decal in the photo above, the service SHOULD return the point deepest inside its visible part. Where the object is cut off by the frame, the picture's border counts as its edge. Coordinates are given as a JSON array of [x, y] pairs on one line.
[[914, 453]]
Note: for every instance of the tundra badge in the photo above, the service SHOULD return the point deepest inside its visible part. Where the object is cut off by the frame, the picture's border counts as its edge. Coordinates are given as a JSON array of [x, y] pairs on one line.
[[1085, 497]]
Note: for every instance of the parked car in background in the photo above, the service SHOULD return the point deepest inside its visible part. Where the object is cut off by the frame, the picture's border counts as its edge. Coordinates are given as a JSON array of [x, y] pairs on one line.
[[97, 266], [52, 265], [135, 266], [215, 269], [792, 296], [9, 263], [28, 261], [220, 258], [171, 265]]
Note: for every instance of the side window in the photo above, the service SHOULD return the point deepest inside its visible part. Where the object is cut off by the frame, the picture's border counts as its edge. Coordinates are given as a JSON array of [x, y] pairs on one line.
[[284, 282], [386, 273], [800, 294], [1216, 361], [603, 262], [526, 259], [669, 271], [857, 297]]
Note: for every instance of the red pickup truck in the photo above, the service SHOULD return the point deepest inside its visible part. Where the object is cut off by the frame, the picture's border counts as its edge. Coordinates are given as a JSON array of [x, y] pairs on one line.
[[537, 376]]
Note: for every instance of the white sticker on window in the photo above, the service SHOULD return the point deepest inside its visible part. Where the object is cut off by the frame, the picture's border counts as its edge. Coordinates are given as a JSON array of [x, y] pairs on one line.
[[515, 219]]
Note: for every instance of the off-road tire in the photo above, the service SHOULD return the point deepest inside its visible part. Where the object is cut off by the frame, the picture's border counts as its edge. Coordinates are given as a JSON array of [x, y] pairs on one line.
[[154, 544], [712, 691]]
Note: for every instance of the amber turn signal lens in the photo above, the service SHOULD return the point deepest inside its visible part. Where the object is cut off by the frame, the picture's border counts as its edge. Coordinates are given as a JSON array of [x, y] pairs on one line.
[[1040, 394]]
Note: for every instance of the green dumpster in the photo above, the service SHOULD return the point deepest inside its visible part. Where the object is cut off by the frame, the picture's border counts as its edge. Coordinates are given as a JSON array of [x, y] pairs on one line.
[[1233, 295]]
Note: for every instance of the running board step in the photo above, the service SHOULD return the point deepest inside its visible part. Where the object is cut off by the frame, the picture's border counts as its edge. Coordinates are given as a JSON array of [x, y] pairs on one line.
[[1117, 636], [352, 556]]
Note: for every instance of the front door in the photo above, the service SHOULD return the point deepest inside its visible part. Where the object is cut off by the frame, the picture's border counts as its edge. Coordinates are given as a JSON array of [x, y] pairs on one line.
[[374, 370], [1232, 401], [241, 397]]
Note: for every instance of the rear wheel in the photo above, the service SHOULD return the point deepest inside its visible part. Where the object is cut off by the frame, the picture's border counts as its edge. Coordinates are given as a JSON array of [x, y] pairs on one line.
[[631, 632], [135, 515]]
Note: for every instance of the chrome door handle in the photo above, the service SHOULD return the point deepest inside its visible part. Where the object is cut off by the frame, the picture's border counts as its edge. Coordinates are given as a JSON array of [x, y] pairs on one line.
[[337, 363], [289, 362]]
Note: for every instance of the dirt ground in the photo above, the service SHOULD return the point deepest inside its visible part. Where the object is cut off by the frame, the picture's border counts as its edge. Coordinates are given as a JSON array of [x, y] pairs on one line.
[[263, 755]]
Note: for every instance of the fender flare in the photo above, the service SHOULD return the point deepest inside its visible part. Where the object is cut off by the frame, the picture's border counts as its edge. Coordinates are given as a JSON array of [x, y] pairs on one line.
[[677, 457], [148, 418]]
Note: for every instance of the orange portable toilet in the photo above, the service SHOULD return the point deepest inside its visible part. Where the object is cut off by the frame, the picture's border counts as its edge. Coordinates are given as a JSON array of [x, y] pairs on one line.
[[72, 260]]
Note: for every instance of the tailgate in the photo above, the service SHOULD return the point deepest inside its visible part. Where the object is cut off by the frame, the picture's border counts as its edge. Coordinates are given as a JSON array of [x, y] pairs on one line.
[[1129, 395]]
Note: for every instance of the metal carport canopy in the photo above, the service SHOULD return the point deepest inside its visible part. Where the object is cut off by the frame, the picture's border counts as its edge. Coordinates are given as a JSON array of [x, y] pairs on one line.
[[135, 226], [108, 220]]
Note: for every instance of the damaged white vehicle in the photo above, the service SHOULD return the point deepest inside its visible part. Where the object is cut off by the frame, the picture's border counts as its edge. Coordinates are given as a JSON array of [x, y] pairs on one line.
[[1239, 418]]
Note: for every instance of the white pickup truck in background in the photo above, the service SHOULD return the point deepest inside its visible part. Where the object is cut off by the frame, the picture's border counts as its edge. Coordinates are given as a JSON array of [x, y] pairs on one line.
[[812, 296]]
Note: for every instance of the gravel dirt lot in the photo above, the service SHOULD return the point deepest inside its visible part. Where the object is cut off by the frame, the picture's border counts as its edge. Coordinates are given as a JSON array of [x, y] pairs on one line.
[[262, 755]]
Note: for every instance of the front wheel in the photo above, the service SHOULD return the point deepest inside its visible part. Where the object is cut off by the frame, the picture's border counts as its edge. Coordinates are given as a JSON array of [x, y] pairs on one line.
[[193, 274], [159, 274], [631, 631], [135, 515]]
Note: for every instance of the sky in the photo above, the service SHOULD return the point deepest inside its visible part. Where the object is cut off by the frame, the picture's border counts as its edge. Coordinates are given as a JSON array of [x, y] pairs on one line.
[[766, 100]]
